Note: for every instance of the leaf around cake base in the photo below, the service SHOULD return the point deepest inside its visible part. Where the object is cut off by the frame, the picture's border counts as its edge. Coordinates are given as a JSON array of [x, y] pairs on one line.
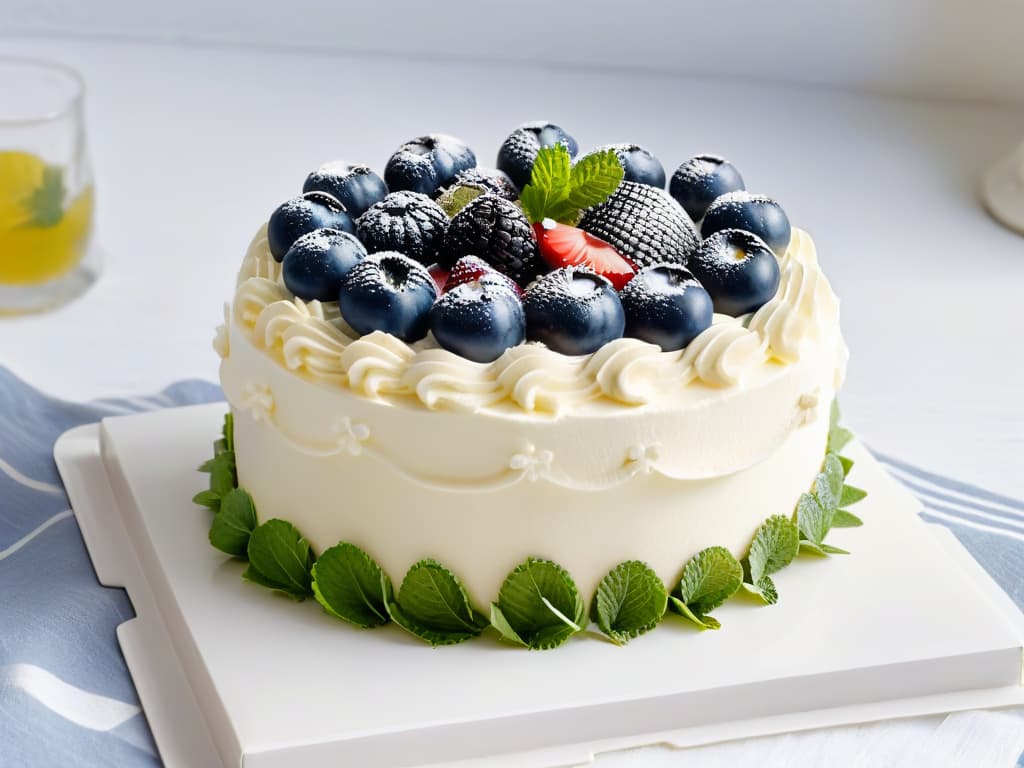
[[351, 586], [234, 523], [775, 544], [710, 578], [433, 605], [280, 559], [629, 601], [538, 606]]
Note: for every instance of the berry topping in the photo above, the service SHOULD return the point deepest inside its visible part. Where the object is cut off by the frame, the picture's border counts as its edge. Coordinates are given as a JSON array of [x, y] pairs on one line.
[[519, 150], [564, 246], [644, 224], [479, 319], [302, 215], [738, 269], [440, 275], [407, 222], [354, 186], [700, 180], [573, 311], [488, 180], [317, 262], [388, 292], [638, 164], [497, 231], [754, 213], [470, 268], [665, 305], [428, 163]]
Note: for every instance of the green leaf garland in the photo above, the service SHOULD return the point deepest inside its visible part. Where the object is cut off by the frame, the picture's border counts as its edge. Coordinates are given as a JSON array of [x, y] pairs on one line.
[[538, 606], [234, 523], [629, 601], [710, 578], [281, 559], [432, 604], [350, 586]]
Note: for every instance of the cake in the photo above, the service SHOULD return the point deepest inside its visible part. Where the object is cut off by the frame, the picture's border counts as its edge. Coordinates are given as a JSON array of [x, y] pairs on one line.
[[543, 371]]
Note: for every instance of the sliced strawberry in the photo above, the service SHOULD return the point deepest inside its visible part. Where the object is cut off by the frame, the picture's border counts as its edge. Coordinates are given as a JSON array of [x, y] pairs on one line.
[[440, 275], [565, 246], [470, 268]]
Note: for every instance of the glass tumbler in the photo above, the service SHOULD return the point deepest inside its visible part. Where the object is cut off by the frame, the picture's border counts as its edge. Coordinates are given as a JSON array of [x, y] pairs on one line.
[[46, 188]]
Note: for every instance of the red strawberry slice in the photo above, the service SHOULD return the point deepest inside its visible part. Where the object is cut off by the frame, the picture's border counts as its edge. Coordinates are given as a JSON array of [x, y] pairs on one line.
[[470, 268], [565, 246], [440, 275]]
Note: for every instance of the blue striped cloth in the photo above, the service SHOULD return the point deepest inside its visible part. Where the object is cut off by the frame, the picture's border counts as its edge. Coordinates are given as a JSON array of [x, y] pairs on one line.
[[66, 698]]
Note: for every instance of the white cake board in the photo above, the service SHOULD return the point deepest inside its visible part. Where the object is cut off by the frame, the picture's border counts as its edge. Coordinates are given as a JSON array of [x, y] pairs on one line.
[[229, 673]]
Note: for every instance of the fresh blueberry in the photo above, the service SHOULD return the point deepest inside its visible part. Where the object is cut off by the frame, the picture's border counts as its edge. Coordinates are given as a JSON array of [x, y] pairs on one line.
[[428, 163], [754, 213], [573, 311], [479, 320], [738, 270], [407, 222], [354, 186], [697, 182], [665, 305], [300, 216], [638, 164], [519, 151], [388, 292], [315, 265]]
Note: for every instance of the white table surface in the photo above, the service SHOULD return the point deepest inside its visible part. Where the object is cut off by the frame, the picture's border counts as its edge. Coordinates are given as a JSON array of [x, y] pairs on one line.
[[194, 147]]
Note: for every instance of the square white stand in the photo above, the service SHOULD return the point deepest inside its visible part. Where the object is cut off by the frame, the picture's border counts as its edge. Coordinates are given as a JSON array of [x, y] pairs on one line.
[[229, 673]]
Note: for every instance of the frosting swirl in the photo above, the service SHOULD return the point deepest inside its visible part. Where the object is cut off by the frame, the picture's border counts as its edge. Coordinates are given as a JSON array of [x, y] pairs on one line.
[[312, 339]]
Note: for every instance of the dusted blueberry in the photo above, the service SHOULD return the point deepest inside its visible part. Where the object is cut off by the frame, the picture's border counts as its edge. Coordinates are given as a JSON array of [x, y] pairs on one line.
[[754, 213], [573, 311], [428, 163], [665, 305], [317, 262], [738, 270], [519, 151], [407, 222], [302, 215], [638, 164], [497, 231], [479, 319], [388, 292], [356, 187], [700, 180]]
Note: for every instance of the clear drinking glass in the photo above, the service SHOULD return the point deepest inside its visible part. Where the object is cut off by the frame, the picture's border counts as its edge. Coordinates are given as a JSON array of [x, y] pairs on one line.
[[46, 188]]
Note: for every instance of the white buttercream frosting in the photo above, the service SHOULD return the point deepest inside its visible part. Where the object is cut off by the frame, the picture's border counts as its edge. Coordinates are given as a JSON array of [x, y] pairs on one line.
[[312, 339]]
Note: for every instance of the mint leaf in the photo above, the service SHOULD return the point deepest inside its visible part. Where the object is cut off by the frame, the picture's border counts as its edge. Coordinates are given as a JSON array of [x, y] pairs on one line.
[[351, 586], [207, 499], [433, 605], [828, 485], [830, 550], [228, 431], [233, 523], [629, 601], [222, 473], [549, 183], [844, 519], [812, 519], [538, 605], [838, 437], [775, 544], [46, 203], [814, 549], [454, 199], [594, 179], [709, 579], [280, 558], [850, 495]]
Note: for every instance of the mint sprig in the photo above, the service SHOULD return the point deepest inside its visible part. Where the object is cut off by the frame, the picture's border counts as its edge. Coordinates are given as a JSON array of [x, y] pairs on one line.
[[350, 586], [234, 523], [629, 601], [709, 578], [776, 542], [432, 604], [559, 190], [223, 475], [816, 511], [280, 559], [538, 606], [838, 436]]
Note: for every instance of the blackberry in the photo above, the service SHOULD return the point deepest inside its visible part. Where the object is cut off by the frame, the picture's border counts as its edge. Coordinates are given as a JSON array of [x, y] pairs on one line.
[[488, 180], [644, 224], [497, 231], [406, 222]]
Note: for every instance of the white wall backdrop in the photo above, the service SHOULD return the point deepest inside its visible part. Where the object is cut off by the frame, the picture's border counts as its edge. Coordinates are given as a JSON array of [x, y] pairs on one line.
[[966, 49]]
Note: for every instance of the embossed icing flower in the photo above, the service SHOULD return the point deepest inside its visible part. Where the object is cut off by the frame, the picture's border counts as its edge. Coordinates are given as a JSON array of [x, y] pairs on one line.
[[532, 463], [259, 401], [350, 437], [642, 458]]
